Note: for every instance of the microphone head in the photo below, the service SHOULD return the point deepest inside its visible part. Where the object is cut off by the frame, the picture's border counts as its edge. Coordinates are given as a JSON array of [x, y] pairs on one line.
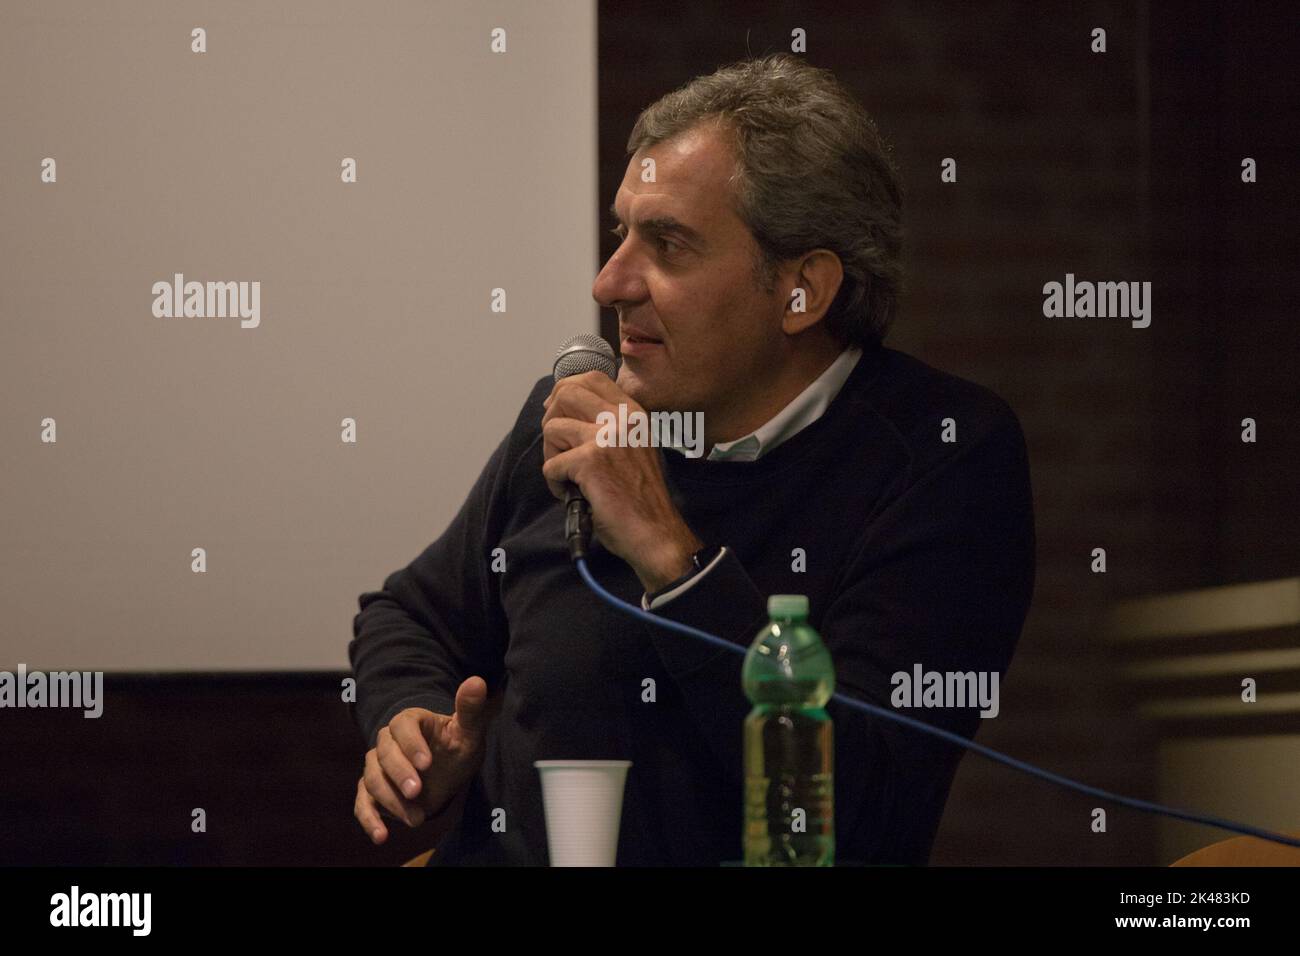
[[584, 353]]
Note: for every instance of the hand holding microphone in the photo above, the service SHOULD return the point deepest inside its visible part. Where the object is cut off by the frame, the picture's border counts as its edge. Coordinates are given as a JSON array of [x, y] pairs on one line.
[[617, 492]]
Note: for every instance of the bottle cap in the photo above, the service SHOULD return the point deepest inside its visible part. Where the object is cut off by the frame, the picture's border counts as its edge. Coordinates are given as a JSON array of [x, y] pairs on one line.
[[787, 605]]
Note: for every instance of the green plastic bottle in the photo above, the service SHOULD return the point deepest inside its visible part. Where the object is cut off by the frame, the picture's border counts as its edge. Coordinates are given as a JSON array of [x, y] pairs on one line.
[[789, 743]]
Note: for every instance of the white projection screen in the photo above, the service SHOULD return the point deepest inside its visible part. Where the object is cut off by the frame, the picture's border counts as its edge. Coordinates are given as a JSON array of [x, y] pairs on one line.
[[475, 170]]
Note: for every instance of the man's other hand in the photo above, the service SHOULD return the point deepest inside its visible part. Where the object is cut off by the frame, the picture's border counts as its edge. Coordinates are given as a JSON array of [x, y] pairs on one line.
[[422, 763]]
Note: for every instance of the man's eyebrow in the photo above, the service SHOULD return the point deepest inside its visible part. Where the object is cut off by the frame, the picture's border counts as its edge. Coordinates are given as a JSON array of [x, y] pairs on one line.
[[660, 224]]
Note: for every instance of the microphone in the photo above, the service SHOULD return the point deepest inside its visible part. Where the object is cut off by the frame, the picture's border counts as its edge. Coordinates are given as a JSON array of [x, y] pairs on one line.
[[582, 353]]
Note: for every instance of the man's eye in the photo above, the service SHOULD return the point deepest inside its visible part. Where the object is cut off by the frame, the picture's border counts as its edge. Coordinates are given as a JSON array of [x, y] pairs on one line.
[[661, 241]]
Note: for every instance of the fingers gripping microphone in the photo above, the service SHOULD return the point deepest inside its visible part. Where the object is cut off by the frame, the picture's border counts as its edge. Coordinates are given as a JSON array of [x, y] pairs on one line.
[[582, 353]]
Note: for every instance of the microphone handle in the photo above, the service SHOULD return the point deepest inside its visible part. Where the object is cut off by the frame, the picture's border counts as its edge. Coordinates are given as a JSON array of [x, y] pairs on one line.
[[577, 521]]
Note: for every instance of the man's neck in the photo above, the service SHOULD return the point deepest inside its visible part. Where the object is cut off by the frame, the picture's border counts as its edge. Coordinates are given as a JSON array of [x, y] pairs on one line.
[[799, 370]]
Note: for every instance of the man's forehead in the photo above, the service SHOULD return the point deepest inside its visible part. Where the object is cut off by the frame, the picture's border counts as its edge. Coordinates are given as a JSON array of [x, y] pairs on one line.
[[692, 173]]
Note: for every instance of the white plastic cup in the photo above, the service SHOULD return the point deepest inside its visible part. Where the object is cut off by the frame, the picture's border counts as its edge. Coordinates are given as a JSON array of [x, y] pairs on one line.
[[583, 800]]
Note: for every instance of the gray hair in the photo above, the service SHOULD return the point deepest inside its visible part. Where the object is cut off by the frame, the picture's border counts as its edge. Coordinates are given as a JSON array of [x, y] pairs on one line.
[[812, 171]]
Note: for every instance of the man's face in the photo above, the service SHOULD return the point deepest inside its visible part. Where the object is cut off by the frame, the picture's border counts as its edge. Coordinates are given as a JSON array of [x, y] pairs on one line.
[[684, 276]]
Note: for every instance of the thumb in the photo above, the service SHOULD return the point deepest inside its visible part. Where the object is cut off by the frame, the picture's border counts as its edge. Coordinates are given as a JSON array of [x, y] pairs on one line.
[[471, 702]]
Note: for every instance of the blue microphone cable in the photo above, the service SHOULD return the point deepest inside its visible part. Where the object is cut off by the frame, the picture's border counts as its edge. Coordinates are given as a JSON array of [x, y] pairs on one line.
[[947, 735]]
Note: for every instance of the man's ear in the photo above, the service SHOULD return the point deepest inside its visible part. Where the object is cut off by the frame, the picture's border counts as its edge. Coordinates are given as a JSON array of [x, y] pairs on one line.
[[813, 281]]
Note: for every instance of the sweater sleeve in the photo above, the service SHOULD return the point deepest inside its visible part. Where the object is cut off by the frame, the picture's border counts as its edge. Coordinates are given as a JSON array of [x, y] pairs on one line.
[[942, 577], [436, 621]]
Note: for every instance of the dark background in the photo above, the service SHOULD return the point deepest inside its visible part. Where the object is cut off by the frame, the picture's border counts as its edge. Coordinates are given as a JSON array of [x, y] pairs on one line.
[[1123, 166]]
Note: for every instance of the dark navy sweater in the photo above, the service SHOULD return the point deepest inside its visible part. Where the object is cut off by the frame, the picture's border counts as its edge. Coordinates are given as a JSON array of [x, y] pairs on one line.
[[917, 551]]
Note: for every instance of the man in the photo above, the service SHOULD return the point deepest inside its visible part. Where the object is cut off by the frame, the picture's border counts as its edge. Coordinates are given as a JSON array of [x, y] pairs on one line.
[[757, 275]]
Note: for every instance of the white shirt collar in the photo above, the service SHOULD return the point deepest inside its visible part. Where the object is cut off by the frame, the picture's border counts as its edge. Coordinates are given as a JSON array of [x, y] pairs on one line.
[[802, 411]]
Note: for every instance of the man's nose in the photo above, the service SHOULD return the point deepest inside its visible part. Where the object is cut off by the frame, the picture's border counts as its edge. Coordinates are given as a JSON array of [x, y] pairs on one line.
[[619, 281]]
